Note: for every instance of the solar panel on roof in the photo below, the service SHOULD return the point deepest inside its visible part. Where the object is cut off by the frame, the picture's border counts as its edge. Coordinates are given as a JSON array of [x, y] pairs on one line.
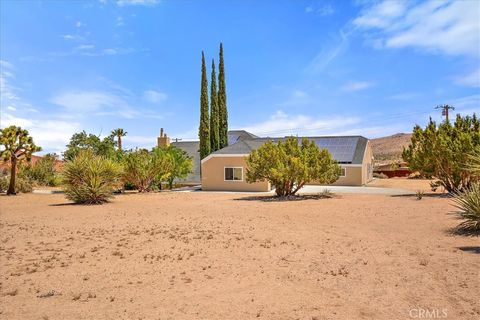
[[342, 149], [232, 138]]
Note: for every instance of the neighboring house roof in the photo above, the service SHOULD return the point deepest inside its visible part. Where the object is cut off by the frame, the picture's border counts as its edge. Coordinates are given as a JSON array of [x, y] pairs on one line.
[[191, 148], [344, 149]]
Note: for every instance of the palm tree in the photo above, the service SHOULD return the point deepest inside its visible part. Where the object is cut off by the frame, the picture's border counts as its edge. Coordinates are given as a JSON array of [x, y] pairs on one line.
[[119, 133]]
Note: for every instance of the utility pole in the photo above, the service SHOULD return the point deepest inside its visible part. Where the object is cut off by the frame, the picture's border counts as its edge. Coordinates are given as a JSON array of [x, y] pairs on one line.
[[445, 109]]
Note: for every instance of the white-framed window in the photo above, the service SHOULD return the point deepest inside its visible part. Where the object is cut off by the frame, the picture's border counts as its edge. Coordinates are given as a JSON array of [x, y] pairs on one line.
[[233, 173], [344, 172]]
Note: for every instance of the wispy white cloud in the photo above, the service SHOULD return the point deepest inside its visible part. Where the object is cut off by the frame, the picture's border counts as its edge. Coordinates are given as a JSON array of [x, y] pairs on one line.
[[79, 24], [471, 79], [94, 102], [111, 100], [329, 53], [68, 36], [324, 10], [6, 65], [281, 124], [154, 96], [447, 27], [8, 92], [51, 135], [381, 15], [90, 50], [403, 96], [120, 22], [466, 105], [357, 85], [137, 2], [295, 98], [85, 47]]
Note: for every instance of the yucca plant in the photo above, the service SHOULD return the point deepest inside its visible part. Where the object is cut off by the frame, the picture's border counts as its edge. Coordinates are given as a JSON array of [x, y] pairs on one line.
[[468, 205], [90, 179]]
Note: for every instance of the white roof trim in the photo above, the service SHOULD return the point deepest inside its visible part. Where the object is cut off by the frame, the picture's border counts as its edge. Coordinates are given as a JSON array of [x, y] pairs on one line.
[[223, 155]]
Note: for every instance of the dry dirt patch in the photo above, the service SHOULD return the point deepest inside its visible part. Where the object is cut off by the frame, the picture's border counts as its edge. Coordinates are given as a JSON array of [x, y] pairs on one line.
[[210, 256]]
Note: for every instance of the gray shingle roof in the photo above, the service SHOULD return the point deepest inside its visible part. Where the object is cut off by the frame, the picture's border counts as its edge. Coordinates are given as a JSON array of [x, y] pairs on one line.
[[344, 149], [236, 135]]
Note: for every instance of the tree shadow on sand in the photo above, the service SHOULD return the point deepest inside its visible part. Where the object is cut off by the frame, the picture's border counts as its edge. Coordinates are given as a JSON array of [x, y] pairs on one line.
[[472, 249], [424, 195], [300, 197], [459, 231], [65, 204]]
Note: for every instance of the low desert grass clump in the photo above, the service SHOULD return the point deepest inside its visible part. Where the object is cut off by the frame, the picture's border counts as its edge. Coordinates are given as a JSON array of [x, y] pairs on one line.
[[468, 204], [419, 194], [90, 179]]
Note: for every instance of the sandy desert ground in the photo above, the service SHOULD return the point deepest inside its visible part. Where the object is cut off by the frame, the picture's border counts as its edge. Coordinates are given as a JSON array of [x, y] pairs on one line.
[[228, 256]]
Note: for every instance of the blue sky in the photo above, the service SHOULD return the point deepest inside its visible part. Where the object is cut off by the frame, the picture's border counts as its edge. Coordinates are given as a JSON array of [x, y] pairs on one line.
[[292, 67]]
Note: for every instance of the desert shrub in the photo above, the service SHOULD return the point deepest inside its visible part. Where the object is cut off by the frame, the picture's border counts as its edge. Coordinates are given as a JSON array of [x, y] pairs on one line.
[[42, 172], [325, 194], [419, 194], [442, 152], [89, 178], [380, 175], [4, 180], [22, 185], [143, 168], [289, 165], [468, 204]]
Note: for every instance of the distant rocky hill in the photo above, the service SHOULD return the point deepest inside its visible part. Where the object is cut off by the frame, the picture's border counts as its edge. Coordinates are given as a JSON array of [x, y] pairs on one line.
[[387, 149]]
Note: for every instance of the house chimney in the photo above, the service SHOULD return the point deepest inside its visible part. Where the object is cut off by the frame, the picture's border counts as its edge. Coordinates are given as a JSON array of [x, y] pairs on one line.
[[163, 140]]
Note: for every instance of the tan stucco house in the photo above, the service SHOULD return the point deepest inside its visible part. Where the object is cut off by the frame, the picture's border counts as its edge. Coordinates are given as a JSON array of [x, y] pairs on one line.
[[225, 169]]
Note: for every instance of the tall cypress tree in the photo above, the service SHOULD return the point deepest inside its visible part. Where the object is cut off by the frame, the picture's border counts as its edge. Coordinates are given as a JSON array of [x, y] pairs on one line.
[[214, 119], [204, 130], [222, 102]]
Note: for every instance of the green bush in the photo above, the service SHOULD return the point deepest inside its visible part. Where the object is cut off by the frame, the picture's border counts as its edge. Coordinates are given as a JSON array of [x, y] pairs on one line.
[[290, 164], [443, 152], [468, 204], [22, 185], [90, 179], [143, 169], [181, 165], [41, 173]]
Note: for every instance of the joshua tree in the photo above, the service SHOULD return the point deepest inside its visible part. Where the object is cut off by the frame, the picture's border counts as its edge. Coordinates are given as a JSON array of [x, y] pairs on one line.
[[17, 145], [119, 133]]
